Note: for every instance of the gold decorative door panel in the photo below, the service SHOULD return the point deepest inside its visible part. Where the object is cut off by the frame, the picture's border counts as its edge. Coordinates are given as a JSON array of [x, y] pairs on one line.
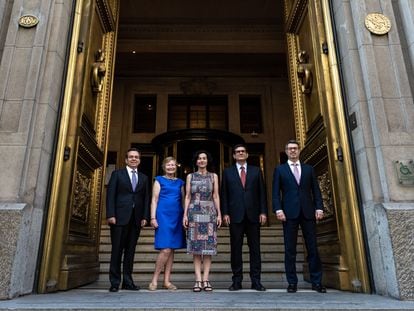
[[70, 253], [321, 131]]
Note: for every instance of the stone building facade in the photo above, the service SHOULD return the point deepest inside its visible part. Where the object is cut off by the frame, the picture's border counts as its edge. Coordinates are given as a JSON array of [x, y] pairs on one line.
[[378, 90]]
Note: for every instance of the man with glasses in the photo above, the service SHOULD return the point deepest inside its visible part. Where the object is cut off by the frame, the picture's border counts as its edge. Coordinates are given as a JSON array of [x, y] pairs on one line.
[[297, 201], [244, 210]]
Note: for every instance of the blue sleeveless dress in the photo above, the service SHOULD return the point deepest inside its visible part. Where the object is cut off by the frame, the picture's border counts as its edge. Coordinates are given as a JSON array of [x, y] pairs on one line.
[[169, 214]]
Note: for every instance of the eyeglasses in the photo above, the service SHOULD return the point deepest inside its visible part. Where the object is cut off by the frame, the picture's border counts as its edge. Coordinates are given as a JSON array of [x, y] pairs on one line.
[[239, 151], [292, 148]]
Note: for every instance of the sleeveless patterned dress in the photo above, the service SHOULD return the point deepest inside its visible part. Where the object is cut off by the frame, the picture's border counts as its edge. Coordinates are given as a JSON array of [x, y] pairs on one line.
[[202, 216]]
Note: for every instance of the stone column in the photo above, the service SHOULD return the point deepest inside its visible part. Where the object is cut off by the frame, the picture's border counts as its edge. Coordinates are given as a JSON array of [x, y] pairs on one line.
[[376, 73], [31, 77]]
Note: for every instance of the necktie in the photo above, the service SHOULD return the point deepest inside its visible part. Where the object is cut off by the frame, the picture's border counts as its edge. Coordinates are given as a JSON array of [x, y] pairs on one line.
[[134, 180], [243, 175], [296, 172]]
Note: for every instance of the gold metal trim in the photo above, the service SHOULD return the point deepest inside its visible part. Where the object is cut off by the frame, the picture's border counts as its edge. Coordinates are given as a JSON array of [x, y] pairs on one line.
[[377, 23], [53, 243], [354, 242]]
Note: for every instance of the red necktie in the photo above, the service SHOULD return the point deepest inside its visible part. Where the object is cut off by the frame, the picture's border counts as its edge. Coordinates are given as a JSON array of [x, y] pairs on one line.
[[243, 175]]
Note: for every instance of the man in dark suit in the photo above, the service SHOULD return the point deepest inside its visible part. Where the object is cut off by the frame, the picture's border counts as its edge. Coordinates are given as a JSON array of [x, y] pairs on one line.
[[297, 201], [127, 210], [244, 209]]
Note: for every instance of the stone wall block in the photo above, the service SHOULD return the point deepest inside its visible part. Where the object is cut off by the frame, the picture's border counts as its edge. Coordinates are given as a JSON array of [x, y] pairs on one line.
[[58, 33], [365, 178], [35, 73], [401, 74], [374, 173], [20, 65], [5, 62], [401, 221], [396, 120], [386, 72], [359, 10], [372, 85], [365, 124], [344, 27], [10, 116], [353, 78], [53, 75], [407, 20], [379, 122], [409, 113], [14, 230], [11, 167]]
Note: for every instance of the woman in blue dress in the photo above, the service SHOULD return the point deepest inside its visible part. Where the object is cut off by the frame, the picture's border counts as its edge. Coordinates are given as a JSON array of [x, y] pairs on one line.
[[166, 215]]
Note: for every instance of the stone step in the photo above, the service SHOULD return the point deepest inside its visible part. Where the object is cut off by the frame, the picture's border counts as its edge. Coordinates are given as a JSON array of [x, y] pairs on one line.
[[216, 267], [221, 248], [272, 248]]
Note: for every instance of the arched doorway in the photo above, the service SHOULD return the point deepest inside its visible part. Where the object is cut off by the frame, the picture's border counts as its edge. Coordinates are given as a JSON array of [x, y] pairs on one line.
[[182, 144]]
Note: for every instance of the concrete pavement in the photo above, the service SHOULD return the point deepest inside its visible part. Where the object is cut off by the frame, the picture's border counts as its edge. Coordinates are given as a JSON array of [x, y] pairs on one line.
[[274, 299]]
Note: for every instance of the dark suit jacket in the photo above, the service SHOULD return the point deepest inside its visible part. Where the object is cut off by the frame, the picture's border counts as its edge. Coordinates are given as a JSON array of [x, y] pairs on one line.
[[122, 202], [237, 201], [291, 197]]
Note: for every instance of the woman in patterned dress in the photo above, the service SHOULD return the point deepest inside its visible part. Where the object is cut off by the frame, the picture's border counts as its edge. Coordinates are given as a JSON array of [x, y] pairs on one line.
[[201, 218]]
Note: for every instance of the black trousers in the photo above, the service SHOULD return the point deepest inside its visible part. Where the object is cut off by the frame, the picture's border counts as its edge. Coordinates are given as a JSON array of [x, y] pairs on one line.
[[124, 240], [237, 232], [290, 231]]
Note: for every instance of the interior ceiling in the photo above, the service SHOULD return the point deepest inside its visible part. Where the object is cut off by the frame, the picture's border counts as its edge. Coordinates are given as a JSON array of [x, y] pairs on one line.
[[201, 38]]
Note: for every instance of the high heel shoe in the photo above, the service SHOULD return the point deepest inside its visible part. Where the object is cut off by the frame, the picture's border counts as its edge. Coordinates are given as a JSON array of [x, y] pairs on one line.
[[197, 287]]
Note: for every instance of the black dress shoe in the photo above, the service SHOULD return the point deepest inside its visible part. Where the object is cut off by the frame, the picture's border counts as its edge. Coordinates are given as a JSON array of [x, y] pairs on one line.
[[259, 287], [235, 286], [292, 288], [113, 289], [130, 287], [319, 288]]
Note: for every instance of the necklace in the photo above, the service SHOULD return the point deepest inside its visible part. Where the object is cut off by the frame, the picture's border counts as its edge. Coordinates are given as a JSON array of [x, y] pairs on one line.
[[169, 178]]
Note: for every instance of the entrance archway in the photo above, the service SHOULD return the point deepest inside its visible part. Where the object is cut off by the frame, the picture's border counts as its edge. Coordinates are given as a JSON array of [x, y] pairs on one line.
[[182, 144], [168, 49]]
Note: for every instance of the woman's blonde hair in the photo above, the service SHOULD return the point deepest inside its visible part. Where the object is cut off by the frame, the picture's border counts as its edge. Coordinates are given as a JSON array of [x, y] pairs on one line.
[[166, 160]]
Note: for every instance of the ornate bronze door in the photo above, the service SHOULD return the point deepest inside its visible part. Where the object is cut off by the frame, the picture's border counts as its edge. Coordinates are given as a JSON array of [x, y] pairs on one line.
[[70, 252], [321, 130]]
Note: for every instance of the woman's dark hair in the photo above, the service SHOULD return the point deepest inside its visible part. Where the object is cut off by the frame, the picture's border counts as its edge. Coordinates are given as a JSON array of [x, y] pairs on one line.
[[209, 158]]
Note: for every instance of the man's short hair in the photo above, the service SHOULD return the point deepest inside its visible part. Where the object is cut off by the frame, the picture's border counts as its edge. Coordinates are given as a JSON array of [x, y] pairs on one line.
[[132, 149], [238, 146], [292, 141]]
